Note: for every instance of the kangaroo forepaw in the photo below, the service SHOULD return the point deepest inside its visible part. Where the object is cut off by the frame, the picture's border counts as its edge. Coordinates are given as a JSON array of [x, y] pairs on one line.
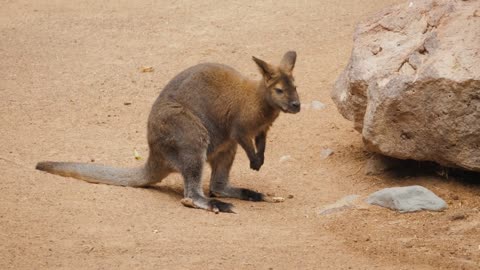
[[256, 164]]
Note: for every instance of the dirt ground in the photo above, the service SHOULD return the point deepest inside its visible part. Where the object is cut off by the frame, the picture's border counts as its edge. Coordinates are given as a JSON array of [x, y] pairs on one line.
[[67, 68]]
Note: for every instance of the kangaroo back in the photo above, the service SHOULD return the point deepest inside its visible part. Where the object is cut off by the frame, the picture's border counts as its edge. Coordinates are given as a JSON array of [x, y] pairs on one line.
[[94, 173]]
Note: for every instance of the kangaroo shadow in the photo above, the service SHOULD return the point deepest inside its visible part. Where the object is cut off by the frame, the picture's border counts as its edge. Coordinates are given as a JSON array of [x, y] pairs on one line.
[[173, 192]]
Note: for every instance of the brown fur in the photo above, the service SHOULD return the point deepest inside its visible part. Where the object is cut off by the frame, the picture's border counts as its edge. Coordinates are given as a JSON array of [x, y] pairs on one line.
[[201, 116]]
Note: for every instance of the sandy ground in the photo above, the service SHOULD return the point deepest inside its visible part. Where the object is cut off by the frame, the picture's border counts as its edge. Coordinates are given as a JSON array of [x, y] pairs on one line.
[[68, 67]]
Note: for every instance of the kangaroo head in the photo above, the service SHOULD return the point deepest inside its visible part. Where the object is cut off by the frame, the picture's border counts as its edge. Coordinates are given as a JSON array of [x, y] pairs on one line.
[[279, 84]]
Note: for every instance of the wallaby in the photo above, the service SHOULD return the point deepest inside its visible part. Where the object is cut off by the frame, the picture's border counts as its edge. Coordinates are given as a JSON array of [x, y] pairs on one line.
[[201, 116]]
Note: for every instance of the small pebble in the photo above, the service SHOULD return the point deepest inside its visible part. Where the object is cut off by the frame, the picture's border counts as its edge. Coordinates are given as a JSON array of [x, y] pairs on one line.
[[285, 158], [136, 155], [317, 105], [290, 196], [278, 199], [458, 216], [325, 153], [146, 69]]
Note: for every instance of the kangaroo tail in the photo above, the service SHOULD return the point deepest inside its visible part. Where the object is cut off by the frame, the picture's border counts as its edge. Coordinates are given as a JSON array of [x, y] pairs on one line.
[[94, 173]]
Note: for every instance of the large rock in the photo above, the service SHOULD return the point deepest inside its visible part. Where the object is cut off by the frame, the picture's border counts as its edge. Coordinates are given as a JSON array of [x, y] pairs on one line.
[[412, 86]]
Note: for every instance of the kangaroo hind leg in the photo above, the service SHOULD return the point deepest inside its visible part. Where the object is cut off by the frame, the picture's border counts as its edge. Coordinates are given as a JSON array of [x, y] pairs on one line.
[[181, 139], [193, 194]]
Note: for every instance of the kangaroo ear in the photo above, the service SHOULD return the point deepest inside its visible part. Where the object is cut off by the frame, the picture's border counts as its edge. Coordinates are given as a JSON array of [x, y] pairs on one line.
[[266, 69], [288, 61]]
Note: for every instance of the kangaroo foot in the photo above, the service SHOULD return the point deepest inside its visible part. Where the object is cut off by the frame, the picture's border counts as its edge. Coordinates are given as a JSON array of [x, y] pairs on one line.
[[245, 194], [213, 205]]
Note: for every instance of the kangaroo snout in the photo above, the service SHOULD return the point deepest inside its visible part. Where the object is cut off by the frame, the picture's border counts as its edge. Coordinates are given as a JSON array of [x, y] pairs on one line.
[[294, 106]]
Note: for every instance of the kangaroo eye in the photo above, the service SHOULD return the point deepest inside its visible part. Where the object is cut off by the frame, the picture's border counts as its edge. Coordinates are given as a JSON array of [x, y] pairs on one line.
[[279, 91]]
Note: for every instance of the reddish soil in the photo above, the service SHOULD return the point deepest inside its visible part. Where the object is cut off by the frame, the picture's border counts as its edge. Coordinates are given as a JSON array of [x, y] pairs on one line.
[[68, 67]]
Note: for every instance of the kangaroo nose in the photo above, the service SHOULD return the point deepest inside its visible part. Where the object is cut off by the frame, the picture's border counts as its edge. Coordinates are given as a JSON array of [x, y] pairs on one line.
[[294, 107], [295, 104]]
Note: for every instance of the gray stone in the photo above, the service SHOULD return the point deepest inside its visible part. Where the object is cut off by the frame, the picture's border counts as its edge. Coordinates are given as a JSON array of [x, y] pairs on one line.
[[340, 205], [412, 85], [407, 199]]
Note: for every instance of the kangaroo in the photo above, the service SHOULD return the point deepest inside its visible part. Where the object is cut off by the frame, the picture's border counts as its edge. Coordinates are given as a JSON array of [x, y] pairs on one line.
[[201, 116]]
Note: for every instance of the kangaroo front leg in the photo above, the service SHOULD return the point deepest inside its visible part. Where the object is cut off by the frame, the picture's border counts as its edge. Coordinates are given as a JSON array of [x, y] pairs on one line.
[[260, 143], [247, 144]]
